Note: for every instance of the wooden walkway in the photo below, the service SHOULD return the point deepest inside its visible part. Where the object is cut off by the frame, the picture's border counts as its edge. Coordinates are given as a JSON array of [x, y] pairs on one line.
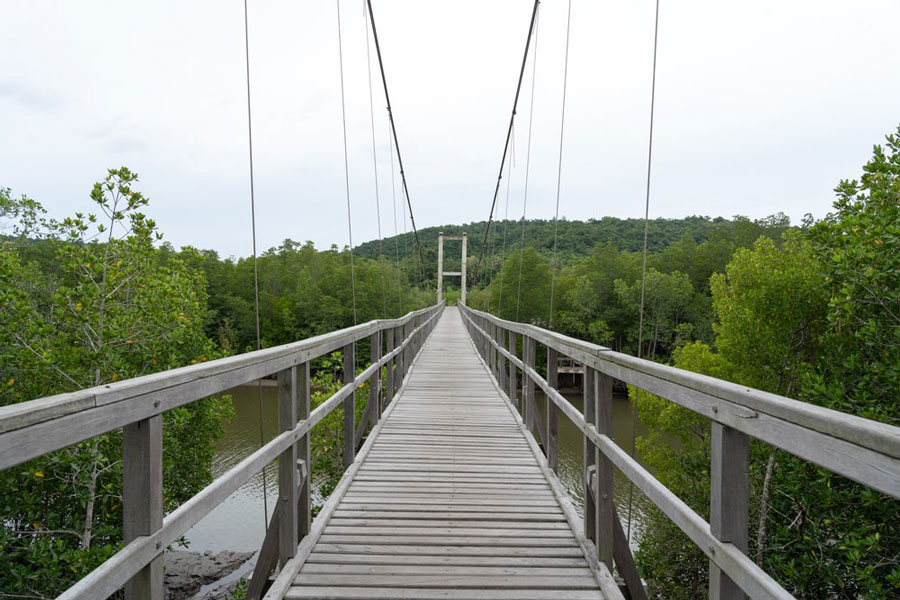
[[449, 501]]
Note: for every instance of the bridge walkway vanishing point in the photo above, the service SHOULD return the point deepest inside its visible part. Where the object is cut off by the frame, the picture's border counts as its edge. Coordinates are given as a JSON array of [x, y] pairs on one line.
[[448, 500]]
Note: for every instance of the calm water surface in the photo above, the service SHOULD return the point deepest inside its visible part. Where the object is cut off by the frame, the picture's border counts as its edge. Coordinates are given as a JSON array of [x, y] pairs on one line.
[[238, 523]]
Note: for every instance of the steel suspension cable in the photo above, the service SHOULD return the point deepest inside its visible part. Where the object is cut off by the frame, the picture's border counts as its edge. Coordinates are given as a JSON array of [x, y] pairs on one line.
[[346, 158], [644, 251], [375, 164], [387, 99], [512, 119], [505, 226], [562, 129], [527, 164], [491, 264], [262, 439], [400, 268]]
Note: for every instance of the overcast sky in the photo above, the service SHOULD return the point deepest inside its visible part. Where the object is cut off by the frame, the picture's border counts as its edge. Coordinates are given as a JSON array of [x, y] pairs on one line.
[[761, 107]]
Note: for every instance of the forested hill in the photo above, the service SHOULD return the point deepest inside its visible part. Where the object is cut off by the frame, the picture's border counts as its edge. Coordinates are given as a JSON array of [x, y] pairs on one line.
[[577, 238]]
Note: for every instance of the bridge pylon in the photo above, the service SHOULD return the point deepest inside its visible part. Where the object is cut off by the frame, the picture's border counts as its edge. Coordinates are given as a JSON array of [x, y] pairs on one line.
[[441, 273]]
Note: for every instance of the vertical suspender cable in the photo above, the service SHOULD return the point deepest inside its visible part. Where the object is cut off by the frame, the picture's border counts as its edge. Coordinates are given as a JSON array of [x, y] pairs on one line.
[[346, 158], [387, 99], [375, 163], [255, 269], [527, 163], [562, 129], [400, 269], [644, 258], [512, 120], [491, 263], [506, 222]]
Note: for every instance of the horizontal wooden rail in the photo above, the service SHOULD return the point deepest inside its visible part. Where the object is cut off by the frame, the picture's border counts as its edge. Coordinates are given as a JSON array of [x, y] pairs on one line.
[[863, 450], [866, 451], [25, 435], [37, 427]]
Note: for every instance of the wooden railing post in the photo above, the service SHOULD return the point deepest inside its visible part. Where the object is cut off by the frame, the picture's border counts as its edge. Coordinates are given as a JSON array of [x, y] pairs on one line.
[[288, 478], [493, 335], [728, 501], [302, 385], [590, 454], [389, 368], [528, 352], [498, 366], [552, 436], [375, 380], [502, 372], [142, 500], [349, 406], [603, 497], [512, 370]]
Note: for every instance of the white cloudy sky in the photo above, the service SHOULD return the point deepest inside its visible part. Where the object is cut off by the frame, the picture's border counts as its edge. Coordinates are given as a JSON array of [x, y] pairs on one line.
[[761, 106]]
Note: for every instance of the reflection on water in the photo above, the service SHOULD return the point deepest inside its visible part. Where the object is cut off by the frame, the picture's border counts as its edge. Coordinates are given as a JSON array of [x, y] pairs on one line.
[[571, 457], [237, 523]]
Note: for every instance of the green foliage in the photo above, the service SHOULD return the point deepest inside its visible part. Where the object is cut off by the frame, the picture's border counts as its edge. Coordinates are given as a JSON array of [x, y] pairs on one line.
[[816, 318], [104, 309], [302, 292]]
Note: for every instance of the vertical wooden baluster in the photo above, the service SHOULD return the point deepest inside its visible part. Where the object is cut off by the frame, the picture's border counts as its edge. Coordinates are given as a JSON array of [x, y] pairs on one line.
[[529, 352], [590, 456], [398, 371], [375, 379], [349, 406], [389, 368], [728, 502], [142, 500], [304, 505], [494, 358], [512, 370], [288, 478], [603, 498], [502, 371], [552, 414]]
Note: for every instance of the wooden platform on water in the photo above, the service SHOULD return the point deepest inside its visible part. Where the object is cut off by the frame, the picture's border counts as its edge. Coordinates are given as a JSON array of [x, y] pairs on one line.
[[449, 499]]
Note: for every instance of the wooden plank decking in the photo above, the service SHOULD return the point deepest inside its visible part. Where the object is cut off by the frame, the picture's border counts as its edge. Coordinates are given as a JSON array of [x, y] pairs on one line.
[[450, 500]]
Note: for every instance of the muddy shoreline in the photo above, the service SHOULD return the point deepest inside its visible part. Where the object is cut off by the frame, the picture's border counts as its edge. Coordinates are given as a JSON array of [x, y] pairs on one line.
[[188, 573]]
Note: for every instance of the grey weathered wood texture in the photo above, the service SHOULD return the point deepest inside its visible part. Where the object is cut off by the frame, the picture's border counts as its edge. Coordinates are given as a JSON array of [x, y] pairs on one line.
[[137, 405], [865, 451], [142, 499], [448, 500]]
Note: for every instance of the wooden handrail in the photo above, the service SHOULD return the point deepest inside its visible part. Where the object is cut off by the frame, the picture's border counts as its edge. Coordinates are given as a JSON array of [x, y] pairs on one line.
[[34, 428], [59, 421], [865, 451]]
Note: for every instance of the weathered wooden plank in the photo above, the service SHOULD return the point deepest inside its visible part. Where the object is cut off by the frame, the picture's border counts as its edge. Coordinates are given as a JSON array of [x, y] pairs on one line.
[[729, 502], [363, 593], [445, 550], [452, 477], [288, 478], [475, 560], [142, 500], [449, 581]]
